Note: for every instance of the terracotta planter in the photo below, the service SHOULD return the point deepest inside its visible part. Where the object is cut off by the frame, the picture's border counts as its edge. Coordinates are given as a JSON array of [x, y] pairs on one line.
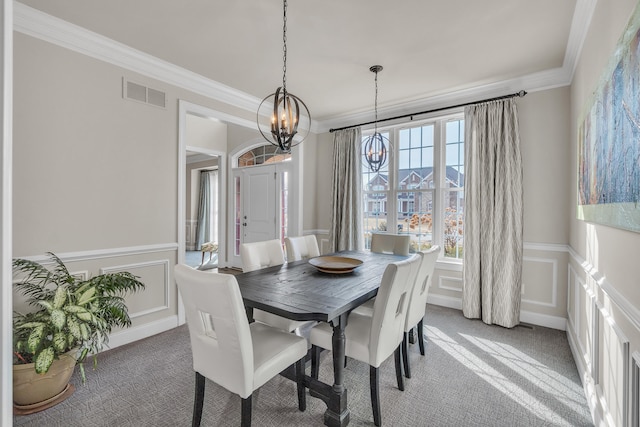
[[30, 388]]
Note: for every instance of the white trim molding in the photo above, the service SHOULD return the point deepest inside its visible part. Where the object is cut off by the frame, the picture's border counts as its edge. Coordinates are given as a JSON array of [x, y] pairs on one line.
[[6, 215], [615, 377], [635, 389], [105, 253], [452, 279], [546, 320]]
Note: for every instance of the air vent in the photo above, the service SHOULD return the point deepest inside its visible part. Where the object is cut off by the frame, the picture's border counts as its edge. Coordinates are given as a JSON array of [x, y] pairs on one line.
[[140, 93]]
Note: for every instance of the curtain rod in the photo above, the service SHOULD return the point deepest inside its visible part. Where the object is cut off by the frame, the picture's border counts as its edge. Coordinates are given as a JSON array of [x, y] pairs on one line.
[[513, 95]]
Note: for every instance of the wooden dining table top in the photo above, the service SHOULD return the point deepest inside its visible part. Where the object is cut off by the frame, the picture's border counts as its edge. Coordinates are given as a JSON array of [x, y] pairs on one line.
[[298, 291]]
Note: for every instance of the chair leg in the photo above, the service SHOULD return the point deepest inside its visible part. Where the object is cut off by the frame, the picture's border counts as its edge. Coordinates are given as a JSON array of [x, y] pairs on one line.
[[421, 336], [315, 361], [405, 355], [412, 336], [302, 396], [399, 368], [375, 395], [198, 401], [245, 412]]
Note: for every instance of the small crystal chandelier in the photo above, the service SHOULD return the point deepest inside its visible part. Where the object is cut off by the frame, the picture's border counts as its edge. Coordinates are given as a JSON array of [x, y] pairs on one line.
[[285, 118], [375, 148]]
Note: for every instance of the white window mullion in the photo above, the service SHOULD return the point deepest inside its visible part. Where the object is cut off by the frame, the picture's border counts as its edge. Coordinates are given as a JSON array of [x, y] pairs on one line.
[[392, 195], [438, 181]]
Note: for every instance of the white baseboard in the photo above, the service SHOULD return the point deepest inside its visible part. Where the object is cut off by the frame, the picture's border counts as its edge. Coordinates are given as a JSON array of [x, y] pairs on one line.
[[553, 322], [445, 301], [127, 336], [537, 319]]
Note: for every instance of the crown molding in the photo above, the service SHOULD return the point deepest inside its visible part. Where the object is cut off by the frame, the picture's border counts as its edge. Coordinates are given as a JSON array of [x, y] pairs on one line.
[[38, 24], [579, 26], [43, 26]]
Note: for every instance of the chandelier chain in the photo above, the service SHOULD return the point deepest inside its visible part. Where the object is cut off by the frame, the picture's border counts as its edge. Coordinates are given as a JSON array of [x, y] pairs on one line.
[[284, 48], [376, 105]]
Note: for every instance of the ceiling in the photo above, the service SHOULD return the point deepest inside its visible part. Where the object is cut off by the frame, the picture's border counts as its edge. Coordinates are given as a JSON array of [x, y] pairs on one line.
[[431, 50]]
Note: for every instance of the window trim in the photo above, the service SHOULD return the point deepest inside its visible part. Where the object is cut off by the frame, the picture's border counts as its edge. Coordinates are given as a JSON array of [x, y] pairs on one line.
[[439, 190]]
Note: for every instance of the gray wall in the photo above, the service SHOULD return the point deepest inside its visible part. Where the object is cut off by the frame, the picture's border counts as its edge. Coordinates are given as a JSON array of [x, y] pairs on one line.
[[96, 175]]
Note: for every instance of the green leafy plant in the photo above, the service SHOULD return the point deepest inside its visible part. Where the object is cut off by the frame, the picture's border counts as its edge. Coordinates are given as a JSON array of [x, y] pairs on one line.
[[70, 312]]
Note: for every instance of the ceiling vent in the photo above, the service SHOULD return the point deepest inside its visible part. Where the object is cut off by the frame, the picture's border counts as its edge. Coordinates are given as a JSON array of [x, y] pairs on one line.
[[140, 93]]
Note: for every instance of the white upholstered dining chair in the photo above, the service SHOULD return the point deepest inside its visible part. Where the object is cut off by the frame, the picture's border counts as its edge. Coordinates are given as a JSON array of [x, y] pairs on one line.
[[301, 247], [372, 338], [258, 255], [229, 351], [384, 243], [418, 303]]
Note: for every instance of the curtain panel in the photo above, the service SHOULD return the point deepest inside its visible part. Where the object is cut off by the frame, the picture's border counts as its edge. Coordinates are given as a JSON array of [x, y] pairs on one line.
[[346, 201], [493, 216], [206, 228]]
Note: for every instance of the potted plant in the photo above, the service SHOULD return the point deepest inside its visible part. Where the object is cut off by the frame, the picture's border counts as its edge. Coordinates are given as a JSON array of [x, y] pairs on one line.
[[72, 318]]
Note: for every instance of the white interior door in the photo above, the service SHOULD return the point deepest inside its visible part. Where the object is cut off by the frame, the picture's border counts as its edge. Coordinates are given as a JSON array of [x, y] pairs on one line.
[[260, 207], [255, 207]]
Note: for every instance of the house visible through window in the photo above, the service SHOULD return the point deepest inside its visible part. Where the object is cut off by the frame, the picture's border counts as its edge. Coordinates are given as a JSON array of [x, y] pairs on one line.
[[420, 191]]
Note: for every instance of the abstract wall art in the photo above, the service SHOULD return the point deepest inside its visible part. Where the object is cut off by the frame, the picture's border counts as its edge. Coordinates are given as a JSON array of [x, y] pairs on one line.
[[609, 140]]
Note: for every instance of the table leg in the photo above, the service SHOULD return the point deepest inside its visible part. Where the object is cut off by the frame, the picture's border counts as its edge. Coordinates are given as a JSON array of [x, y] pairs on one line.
[[337, 413], [249, 311]]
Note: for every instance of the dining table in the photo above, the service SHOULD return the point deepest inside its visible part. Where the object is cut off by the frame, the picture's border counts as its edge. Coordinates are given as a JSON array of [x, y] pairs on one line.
[[300, 291]]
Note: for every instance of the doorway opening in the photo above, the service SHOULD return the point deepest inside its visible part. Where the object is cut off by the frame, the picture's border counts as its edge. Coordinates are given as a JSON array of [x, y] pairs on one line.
[[261, 197], [202, 207]]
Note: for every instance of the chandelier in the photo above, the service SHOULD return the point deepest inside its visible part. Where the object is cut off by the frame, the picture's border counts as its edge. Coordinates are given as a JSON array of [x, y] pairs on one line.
[[287, 126], [375, 149]]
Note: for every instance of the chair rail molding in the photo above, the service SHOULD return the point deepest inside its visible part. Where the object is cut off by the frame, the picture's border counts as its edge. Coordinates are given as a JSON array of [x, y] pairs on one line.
[[105, 253]]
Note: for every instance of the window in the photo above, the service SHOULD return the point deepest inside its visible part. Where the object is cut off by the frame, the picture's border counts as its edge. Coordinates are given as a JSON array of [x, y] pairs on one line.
[[262, 155], [420, 191]]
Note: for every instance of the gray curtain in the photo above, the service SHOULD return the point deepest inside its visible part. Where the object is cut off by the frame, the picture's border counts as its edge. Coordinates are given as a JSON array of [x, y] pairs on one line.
[[492, 271], [206, 229], [346, 200]]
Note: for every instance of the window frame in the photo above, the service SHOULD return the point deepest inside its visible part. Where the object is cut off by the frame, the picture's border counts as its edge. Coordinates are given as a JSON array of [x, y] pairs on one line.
[[439, 190]]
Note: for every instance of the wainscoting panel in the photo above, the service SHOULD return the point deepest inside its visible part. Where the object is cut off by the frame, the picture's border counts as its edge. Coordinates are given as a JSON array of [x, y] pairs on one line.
[[143, 303], [612, 374], [450, 283], [544, 275], [540, 281], [153, 310], [603, 330]]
